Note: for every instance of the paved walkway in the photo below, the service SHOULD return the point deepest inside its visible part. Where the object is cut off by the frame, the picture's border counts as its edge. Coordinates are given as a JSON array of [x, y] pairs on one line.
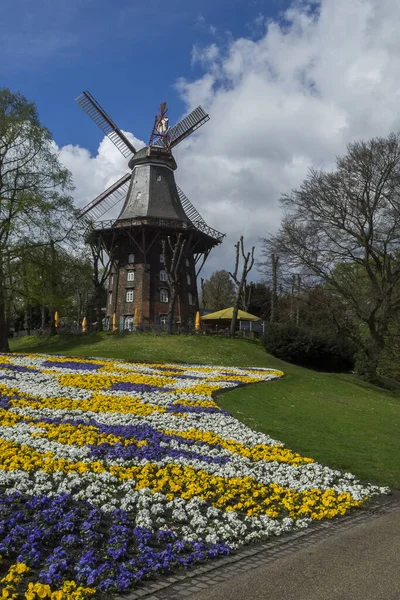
[[356, 557], [362, 563]]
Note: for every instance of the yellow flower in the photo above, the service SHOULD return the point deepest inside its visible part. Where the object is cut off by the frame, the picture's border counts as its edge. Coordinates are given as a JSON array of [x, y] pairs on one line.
[[42, 590]]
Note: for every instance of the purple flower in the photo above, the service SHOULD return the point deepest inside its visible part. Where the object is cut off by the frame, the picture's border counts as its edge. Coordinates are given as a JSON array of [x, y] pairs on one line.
[[64, 539], [72, 365]]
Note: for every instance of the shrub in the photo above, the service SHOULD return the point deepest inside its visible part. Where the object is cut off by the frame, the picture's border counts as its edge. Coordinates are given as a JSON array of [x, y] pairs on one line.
[[313, 348]]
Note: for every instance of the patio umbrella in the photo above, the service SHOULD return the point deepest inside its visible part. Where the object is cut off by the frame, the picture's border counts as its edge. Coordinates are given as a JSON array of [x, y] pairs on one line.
[[56, 319], [114, 322], [84, 325], [226, 314], [136, 320], [197, 322]]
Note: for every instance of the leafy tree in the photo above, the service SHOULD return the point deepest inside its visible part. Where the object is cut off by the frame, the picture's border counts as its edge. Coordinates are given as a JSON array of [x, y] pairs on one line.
[[45, 278], [33, 187], [259, 303], [350, 216], [313, 348], [218, 292]]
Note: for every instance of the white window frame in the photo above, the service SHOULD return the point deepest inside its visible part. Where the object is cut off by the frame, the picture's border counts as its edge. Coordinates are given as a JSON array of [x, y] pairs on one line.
[[131, 258], [128, 322], [188, 279], [187, 262], [129, 296], [163, 320], [162, 258], [130, 275], [164, 296], [110, 299], [191, 299], [163, 275]]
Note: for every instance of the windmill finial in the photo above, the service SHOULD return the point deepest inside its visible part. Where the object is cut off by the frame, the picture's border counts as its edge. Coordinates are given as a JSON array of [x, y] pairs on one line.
[[159, 135]]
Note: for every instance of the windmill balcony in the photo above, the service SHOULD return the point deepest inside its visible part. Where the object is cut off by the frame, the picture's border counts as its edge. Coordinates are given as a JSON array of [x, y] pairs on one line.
[[165, 223]]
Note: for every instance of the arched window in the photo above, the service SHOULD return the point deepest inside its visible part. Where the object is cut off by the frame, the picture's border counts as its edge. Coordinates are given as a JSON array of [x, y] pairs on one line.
[[163, 295], [130, 276], [128, 323], [131, 258], [187, 262], [162, 258], [163, 276], [129, 296], [190, 299], [188, 279]]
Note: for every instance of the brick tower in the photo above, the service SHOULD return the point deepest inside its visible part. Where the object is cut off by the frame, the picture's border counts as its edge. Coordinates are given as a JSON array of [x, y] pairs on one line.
[[153, 208]]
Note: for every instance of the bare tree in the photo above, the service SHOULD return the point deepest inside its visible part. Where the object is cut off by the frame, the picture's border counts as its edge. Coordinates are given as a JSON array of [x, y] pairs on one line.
[[173, 252], [343, 228], [247, 294], [248, 262]]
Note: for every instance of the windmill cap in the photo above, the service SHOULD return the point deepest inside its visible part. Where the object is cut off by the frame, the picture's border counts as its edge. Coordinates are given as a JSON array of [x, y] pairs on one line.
[[153, 154]]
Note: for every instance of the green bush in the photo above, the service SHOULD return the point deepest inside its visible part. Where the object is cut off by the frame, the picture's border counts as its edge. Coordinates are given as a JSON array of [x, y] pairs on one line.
[[316, 349]]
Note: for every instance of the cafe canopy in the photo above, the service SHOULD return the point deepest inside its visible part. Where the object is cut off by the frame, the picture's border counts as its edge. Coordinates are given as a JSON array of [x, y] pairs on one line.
[[226, 314]]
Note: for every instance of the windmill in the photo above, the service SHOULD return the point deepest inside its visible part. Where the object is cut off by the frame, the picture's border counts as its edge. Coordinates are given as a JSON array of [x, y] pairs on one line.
[[153, 207]]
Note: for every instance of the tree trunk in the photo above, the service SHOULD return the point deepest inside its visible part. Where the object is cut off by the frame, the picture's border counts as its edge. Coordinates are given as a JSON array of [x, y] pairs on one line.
[[43, 317], [235, 314], [368, 367], [97, 309], [298, 300], [4, 347], [28, 320], [172, 262], [291, 311], [171, 311], [274, 291], [53, 328]]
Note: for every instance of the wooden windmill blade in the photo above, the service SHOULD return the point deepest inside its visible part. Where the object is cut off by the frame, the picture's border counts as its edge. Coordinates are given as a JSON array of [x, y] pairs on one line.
[[106, 200], [106, 124], [196, 219], [187, 126]]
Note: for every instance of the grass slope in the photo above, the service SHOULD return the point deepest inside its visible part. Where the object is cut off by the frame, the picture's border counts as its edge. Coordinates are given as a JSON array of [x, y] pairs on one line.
[[334, 418]]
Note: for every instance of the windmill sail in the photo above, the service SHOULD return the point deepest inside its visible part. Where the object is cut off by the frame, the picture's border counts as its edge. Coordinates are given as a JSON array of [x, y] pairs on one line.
[[196, 219], [106, 124], [106, 200], [181, 130]]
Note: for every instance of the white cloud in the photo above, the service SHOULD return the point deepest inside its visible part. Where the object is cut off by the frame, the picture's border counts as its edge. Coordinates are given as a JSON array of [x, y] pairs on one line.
[[93, 174], [290, 99]]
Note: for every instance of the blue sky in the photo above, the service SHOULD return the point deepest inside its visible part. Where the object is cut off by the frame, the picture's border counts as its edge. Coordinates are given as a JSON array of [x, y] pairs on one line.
[[287, 83], [128, 54]]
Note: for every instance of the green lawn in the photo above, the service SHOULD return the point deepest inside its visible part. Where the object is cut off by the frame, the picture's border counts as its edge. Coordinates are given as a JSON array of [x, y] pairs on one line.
[[337, 419]]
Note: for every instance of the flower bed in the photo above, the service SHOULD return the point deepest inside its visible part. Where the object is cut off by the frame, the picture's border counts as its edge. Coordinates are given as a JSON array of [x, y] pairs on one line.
[[112, 472]]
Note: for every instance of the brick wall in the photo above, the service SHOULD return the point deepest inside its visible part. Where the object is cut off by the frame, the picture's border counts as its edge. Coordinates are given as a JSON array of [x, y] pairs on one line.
[[147, 284]]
